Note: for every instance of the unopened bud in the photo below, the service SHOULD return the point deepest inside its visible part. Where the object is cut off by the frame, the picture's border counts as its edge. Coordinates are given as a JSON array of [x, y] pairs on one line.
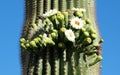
[[34, 25], [22, 40], [101, 41], [98, 59], [66, 17], [93, 36], [36, 40], [27, 45], [87, 41], [53, 18], [86, 34], [87, 21], [91, 29], [63, 29], [40, 36], [78, 14], [22, 45], [53, 35], [49, 41], [33, 44], [82, 29], [60, 17], [54, 31], [60, 45]]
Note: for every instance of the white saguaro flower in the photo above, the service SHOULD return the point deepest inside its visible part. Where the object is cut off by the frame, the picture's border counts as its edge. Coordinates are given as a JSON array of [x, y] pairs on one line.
[[79, 9], [70, 35], [77, 23], [50, 13]]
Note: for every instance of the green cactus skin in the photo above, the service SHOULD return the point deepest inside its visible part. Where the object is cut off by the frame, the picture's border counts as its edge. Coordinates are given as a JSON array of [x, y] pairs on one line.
[[55, 61]]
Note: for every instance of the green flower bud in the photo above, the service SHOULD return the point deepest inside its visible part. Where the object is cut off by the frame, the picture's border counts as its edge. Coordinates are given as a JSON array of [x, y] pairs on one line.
[[60, 45], [49, 41], [39, 39], [36, 40], [87, 41], [63, 29], [91, 29], [40, 36], [33, 44], [53, 35], [78, 14], [34, 25], [83, 35], [22, 40], [101, 41], [54, 31], [27, 45], [77, 34], [53, 18], [23, 46], [66, 17], [47, 21], [60, 17], [93, 36], [95, 44], [87, 21], [83, 30], [98, 59], [86, 34]]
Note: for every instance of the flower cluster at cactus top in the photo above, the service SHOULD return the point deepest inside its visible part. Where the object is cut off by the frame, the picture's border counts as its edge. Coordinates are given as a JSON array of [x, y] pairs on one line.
[[66, 31]]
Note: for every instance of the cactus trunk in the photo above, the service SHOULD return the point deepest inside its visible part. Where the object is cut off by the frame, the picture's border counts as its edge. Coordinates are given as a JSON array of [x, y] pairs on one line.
[[52, 60]]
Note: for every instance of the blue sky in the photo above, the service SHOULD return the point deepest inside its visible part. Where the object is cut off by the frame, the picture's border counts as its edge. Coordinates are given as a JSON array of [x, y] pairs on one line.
[[11, 21]]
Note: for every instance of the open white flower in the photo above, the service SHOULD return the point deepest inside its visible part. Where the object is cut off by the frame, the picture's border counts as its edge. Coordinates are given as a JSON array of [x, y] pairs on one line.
[[79, 9], [77, 23], [70, 35], [50, 13]]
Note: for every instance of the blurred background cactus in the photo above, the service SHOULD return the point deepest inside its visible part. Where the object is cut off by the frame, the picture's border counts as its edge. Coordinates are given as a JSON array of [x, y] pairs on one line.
[[46, 60]]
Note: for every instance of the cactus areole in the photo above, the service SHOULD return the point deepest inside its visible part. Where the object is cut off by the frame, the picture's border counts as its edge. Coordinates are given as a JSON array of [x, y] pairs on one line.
[[60, 37]]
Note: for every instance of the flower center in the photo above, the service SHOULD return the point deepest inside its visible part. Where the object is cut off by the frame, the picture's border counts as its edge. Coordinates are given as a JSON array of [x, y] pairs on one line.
[[77, 22], [70, 34]]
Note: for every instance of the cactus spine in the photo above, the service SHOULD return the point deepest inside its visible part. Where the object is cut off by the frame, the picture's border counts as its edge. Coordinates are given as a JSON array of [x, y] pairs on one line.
[[54, 60]]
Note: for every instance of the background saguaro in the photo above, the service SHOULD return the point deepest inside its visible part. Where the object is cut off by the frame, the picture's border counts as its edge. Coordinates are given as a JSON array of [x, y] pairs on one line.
[[47, 62]]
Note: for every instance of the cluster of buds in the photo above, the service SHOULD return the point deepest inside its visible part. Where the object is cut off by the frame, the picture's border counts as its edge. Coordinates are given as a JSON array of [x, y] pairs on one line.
[[66, 30]]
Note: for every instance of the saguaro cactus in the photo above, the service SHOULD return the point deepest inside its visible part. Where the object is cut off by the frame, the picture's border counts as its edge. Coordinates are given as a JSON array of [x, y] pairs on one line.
[[60, 37]]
